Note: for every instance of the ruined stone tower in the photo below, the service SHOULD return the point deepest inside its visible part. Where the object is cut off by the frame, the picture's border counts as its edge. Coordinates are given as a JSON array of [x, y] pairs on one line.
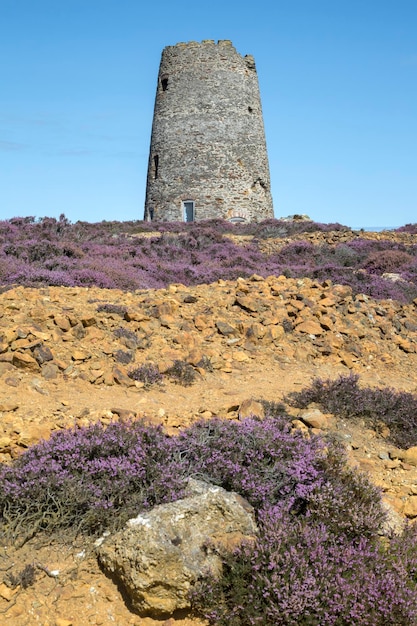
[[208, 155]]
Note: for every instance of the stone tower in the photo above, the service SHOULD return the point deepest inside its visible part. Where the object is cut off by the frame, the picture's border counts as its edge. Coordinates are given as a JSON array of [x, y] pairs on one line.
[[208, 155]]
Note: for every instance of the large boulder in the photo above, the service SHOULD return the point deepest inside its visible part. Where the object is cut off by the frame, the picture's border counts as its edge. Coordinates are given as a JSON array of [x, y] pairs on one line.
[[162, 553]]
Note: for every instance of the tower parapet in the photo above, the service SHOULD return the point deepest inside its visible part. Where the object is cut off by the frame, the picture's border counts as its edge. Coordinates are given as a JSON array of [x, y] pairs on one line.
[[208, 156]]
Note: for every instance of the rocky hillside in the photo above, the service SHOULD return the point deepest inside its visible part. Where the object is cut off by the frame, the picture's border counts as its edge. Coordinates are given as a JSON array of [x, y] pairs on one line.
[[68, 355]]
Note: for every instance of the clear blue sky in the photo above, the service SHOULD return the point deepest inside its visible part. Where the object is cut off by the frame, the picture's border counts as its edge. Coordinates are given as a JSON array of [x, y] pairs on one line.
[[338, 82]]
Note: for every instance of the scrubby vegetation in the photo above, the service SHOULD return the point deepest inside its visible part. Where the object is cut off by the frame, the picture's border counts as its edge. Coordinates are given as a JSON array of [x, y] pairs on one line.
[[117, 255], [300, 574], [148, 373], [318, 558], [378, 407]]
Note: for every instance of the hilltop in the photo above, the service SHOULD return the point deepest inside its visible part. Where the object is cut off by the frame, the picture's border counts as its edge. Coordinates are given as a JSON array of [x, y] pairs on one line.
[[68, 356]]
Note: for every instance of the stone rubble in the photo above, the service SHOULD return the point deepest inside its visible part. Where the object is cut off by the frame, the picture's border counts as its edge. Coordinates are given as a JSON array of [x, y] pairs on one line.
[[64, 362], [60, 333]]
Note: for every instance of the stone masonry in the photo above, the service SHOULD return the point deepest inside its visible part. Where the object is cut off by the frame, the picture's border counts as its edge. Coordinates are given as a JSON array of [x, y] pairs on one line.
[[208, 156]]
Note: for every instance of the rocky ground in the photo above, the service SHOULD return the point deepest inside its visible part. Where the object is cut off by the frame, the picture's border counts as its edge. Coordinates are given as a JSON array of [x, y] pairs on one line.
[[65, 355]]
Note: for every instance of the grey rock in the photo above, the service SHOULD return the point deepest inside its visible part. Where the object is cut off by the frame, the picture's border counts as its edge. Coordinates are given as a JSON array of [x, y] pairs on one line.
[[42, 354], [226, 329], [163, 552], [50, 371]]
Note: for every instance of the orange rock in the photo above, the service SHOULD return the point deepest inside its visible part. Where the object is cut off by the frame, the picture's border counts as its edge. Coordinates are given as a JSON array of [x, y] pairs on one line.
[[310, 327], [24, 361], [410, 508]]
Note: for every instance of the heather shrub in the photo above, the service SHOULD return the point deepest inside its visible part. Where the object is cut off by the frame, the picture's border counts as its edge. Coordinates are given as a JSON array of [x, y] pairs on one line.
[[24, 578], [124, 356], [343, 397], [148, 373], [404, 550], [347, 502], [128, 337], [262, 460], [317, 559], [114, 309], [268, 464], [88, 479], [408, 228], [112, 255], [346, 256], [388, 261], [182, 373], [205, 364], [301, 574]]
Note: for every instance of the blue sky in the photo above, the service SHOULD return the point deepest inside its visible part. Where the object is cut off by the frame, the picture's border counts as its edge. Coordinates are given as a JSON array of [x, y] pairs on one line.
[[338, 82]]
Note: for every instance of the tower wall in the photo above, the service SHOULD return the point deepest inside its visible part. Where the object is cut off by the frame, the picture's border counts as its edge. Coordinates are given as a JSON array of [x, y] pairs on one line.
[[208, 141]]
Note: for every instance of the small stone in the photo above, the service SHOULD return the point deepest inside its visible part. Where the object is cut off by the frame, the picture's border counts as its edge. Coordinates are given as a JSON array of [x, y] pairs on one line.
[[32, 434], [248, 304], [392, 464], [310, 328], [12, 381], [5, 443], [124, 414], [6, 592], [410, 508], [384, 456], [225, 329], [42, 354], [88, 321], [79, 355], [251, 408], [50, 371], [60, 621], [299, 425], [62, 322], [315, 419], [410, 456], [24, 361], [121, 378], [240, 356], [189, 299], [8, 407], [5, 367]]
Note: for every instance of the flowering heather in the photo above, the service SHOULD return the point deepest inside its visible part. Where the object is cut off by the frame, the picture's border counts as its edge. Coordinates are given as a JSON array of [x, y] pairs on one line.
[[128, 337], [148, 373], [300, 574], [182, 373], [81, 476], [87, 476], [112, 255], [269, 464], [408, 228], [124, 356], [343, 397], [317, 560]]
